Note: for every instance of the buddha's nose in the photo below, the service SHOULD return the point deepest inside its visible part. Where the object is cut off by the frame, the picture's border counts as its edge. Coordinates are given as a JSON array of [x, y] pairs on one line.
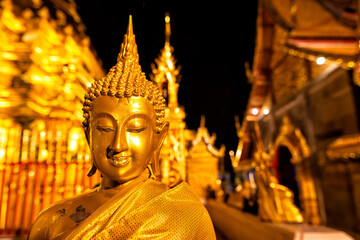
[[118, 145], [111, 152]]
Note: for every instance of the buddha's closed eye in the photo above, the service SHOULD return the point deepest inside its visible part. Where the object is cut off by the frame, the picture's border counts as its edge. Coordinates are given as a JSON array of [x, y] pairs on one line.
[[136, 130], [104, 129]]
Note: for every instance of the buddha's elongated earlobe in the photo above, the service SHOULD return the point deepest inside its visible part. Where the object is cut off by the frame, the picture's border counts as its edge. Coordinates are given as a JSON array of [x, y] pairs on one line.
[[155, 164], [92, 169], [159, 140]]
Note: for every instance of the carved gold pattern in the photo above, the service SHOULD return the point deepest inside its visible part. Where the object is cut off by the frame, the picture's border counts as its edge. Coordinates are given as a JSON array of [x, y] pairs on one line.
[[289, 77]]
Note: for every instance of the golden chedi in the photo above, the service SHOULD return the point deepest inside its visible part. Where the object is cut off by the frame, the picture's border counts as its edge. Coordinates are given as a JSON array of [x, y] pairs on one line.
[[125, 128]]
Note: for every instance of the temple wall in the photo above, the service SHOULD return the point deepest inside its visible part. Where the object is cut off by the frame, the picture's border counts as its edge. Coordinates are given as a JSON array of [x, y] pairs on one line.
[[323, 111]]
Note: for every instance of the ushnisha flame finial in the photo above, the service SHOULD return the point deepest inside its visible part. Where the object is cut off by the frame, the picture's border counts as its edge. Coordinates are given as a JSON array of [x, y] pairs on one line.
[[128, 49], [126, 79]]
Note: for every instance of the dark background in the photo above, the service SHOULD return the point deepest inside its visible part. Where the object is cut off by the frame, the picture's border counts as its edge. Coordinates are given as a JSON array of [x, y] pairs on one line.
[[212, 40]]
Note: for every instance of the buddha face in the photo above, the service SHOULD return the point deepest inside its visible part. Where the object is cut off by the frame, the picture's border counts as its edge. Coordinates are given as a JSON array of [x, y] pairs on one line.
[[122, 137]]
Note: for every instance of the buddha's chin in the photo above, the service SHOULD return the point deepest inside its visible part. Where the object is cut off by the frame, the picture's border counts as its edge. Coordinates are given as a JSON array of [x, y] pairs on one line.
[[119, 161]]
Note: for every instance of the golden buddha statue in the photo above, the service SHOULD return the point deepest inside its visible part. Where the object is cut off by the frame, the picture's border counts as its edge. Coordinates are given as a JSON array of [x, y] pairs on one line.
[[125, 128]]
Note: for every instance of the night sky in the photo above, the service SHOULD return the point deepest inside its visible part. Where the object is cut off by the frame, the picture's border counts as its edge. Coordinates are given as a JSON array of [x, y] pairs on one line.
[[212, 40]]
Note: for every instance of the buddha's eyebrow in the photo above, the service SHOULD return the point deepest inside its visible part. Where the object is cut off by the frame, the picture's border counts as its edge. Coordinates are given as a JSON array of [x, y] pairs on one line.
[[138, 115], [103, 115]]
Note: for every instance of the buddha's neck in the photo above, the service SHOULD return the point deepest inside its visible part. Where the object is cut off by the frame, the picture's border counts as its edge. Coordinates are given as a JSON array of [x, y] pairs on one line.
[[107, 183]]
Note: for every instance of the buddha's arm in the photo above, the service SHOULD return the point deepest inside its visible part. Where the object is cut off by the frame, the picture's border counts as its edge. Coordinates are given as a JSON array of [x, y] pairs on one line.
[[39, 228]]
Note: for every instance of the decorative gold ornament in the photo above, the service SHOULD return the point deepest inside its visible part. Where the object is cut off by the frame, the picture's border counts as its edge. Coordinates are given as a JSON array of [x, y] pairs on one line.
[[202, 163], [167, 78], [275, 201], [291, 138], [166, 74], [344, 148], [125, 80]]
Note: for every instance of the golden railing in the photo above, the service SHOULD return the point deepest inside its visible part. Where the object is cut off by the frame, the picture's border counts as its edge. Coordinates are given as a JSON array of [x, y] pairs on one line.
[[41, 162]]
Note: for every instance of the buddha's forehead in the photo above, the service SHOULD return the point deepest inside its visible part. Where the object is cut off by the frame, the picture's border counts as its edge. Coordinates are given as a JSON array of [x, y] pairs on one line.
[[122, 108]]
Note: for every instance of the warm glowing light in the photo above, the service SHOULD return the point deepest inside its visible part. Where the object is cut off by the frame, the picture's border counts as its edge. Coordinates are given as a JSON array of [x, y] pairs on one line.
[[238, 153], [54, 58], [78, 189], [168, 75], [4, 104], [75, 136], [42, 134], [351, 64], [266, 111], [43, 154], [169, 63], [68, 89], [238, 188], [26, 137], [231, 153], [35, 78], [254, 111], [135, 140], [2, 154], [136, 105], [38, 50], [9, 56], [252, 180], [6, 70], [72, 145], [40, 125], [320, 60], [72, 67], [167, 19]]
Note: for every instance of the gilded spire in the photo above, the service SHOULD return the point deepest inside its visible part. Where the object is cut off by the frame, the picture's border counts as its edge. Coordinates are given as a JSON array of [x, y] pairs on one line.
[[166, 74], [167, 29], [126, 79]]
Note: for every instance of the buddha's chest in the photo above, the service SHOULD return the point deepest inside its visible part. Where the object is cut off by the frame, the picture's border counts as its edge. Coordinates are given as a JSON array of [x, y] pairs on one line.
[[67, 219]]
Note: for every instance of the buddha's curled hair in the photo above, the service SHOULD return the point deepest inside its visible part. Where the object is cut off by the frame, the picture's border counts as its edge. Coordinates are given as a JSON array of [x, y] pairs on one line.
[[125, 80]]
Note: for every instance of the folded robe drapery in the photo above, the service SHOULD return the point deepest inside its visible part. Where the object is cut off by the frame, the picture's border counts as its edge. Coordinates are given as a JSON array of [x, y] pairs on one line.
[[147, 210]]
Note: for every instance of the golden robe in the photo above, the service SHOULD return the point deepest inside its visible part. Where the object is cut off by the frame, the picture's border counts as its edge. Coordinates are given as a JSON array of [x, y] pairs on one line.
[[149, 211]]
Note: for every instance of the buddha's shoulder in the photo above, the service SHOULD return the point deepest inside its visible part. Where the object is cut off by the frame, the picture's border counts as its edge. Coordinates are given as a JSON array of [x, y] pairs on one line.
[[180, 196], [183, 191], [178, 207], [68, 203], [57, 212]]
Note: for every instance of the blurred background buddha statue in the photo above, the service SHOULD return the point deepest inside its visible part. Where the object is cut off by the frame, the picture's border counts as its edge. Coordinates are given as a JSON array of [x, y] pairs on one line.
[[125, 127]]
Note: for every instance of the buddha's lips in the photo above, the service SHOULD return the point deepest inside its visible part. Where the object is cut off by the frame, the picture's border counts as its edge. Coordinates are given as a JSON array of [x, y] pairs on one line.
[[120, 161]]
